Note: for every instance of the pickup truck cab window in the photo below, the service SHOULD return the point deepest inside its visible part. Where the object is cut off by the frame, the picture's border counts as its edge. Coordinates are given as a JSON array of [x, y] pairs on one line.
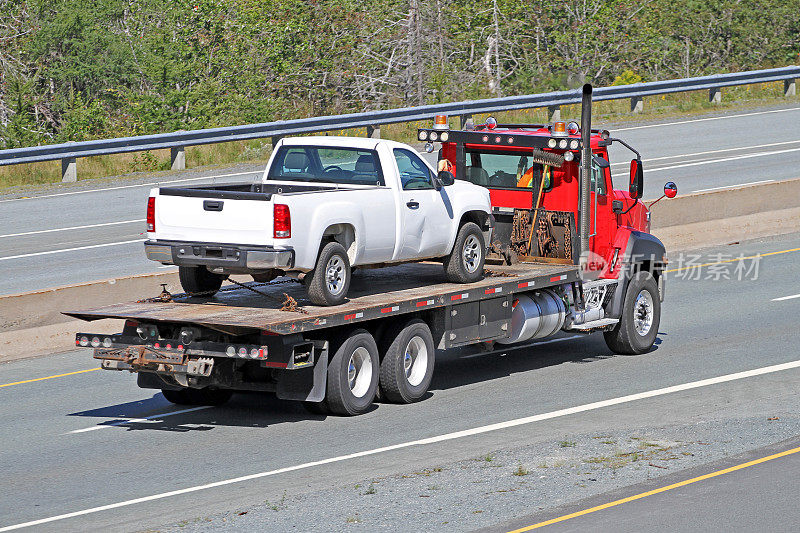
[[326, 164], [414, 174]]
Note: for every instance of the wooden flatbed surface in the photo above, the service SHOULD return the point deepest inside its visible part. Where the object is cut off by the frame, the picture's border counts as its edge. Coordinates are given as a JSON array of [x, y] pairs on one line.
[[373, 293]]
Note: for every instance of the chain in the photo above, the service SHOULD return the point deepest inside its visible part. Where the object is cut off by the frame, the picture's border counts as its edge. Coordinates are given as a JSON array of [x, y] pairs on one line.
[[287, 304]]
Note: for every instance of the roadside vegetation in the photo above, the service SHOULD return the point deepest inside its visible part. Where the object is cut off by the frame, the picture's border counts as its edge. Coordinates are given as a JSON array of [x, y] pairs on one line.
[[72, 70]]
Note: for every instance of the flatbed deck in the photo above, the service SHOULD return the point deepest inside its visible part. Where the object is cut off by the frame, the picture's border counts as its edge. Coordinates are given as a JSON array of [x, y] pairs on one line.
[[374, 293]]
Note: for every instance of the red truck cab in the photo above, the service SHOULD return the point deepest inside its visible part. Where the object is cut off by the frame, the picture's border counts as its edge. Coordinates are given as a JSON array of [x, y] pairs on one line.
[[536, 167]]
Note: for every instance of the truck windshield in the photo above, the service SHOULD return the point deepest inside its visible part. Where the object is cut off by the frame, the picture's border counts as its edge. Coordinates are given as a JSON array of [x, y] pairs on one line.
[[326, 165], [505, 170]]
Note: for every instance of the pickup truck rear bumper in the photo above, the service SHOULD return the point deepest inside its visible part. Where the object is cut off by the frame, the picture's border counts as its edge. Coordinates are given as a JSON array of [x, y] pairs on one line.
[[182, 253]]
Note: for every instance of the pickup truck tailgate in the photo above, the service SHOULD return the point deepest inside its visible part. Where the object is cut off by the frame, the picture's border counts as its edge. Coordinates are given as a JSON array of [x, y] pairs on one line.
[[215, 218]]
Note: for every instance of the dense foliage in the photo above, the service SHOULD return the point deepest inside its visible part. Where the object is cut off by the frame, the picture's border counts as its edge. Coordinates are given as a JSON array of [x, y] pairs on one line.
[[80, 69]]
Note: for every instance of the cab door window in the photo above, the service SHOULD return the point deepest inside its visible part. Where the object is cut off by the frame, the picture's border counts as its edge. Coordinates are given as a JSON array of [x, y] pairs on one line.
[[414, 173]]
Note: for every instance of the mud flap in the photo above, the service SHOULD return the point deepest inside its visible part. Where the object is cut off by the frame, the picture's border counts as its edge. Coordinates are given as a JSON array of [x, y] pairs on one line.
[[306, 384]]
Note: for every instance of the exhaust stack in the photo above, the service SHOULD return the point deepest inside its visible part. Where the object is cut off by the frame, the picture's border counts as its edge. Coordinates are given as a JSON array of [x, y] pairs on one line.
[[586, 162]]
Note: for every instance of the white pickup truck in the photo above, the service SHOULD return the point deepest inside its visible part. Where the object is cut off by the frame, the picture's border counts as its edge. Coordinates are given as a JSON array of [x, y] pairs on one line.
[[324, 205]]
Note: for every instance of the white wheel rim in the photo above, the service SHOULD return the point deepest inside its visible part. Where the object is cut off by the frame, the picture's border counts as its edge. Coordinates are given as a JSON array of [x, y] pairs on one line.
[[643, 313], [471, 254], [359, 372], [415, 360], [335, 275]]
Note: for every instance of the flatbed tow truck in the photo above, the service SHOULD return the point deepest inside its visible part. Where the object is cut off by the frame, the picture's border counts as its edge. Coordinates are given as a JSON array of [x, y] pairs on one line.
[[547, 276]]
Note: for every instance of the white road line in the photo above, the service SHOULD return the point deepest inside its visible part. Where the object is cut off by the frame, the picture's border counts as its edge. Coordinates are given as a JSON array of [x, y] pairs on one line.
[[73, 227], [132, 186], [133, 420], [421, 442], [707, 119], [782, 298], [732, 186], [625, 164], [531, 345], [710, 161], [70, 249]]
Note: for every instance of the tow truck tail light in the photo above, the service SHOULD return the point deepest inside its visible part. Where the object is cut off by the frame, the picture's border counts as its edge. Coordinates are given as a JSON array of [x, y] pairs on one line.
[[283, 222], [151, 214], [440, 122]]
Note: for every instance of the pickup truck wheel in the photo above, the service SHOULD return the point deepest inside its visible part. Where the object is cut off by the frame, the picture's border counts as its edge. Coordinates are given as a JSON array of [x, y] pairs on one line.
[[637, 328], [197, 396], [330, 280], [465, 262], [407, 365], [198, 281], [353, 375]]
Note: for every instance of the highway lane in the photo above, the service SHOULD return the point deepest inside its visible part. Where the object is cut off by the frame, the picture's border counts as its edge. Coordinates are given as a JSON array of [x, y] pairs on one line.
[[698, 154], [51, 467]]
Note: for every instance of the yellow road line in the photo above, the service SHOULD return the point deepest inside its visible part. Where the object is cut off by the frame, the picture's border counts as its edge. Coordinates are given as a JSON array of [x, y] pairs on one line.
[[49, 377], [733, 260], [657, 491]]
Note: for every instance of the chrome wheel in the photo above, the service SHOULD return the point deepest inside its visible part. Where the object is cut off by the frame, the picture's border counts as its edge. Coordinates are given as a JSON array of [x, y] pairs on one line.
[[335, 275], [359, 372], [643, 313], [415, 361], [471, 254]]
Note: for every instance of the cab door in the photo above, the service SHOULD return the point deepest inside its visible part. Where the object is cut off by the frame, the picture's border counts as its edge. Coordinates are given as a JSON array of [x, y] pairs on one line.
[[602, 224], [427, 213]]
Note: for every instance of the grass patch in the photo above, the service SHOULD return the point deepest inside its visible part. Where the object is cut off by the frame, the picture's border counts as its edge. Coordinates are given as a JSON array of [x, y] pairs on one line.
[[567, 444], [521, 470], [370, 490]]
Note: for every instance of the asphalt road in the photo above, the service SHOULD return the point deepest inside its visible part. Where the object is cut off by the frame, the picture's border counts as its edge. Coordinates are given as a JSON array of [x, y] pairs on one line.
[[754, 498], [76, 442], [92, 231]]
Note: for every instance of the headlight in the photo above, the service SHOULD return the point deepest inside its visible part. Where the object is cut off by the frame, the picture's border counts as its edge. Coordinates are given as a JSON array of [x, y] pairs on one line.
[[552, 143], [562, 144], [569, 156], [444, 136], [573, 144], [423, 135]]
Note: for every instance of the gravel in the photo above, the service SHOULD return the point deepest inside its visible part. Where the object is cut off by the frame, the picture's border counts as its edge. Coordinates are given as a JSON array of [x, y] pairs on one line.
[[502, 484]]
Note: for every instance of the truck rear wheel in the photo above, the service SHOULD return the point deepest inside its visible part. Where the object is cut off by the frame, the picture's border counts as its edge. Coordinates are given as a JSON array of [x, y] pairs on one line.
[[198, 281], [637, 328], [353, 375], [197, 396], [465, 262], [407, 365], [330, 279]]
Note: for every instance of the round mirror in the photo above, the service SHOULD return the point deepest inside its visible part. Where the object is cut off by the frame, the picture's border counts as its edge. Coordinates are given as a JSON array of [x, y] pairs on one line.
[[670, 189]]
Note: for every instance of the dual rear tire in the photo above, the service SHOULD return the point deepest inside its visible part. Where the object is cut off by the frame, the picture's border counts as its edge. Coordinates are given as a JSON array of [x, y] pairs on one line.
[[356, 371]]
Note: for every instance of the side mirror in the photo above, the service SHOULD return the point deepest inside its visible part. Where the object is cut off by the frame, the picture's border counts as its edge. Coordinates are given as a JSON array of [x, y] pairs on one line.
[[670, 189], [636, 186], [446, 177], [617, 207]]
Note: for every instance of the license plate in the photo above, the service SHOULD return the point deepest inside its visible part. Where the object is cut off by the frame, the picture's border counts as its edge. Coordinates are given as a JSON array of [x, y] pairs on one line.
[[160, 356]]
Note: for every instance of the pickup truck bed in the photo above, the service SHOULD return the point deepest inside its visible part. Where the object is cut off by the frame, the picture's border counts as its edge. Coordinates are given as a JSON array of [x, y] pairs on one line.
[[374, 293]]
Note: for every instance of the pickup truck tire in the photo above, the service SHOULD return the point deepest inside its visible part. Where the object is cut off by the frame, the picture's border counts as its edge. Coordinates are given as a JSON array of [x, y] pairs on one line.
[[353, 375], [407, 365], [198, 281], [330, 279], [197, 396], [637, 328], [465, 262]]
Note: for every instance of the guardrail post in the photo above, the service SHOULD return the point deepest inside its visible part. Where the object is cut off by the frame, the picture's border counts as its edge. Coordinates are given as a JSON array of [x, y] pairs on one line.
[[715, 95], [177, 157], [69, 170], [789, 87], [374, 132], [554, 112], [637, 104]]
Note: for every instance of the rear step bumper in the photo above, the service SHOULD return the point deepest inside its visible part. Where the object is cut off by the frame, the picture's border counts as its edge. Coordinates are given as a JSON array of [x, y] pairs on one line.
[[184, 253]]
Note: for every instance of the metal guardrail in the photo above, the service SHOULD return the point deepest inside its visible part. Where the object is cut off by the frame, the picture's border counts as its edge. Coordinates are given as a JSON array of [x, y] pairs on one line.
[[177, 141]]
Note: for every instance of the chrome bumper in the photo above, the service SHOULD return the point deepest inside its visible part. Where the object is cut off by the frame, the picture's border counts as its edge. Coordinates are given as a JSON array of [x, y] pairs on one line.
[[218, 255]]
